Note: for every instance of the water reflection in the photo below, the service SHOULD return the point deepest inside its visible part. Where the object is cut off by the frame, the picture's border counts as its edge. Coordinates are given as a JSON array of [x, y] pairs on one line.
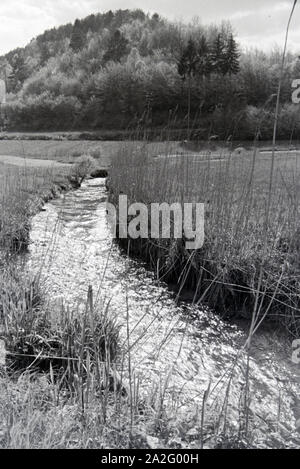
[[71, 241]]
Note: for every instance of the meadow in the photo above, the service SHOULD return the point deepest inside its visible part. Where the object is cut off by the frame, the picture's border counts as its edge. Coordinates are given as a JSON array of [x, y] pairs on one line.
[[248, 267], [67, 151], [251, 197]]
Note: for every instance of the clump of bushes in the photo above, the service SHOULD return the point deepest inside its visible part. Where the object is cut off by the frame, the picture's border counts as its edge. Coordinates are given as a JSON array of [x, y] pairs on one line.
[[83, 167]]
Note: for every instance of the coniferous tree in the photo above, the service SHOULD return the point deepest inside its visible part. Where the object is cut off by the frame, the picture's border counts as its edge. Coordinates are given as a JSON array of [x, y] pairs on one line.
[[117, 47], [204, 64], [77, 38], [187, 65], [232, 56], [187, 68], [219, 55], [44, 53]]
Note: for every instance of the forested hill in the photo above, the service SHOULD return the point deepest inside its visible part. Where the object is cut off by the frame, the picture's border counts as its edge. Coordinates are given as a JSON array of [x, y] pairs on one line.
[[124, 69]]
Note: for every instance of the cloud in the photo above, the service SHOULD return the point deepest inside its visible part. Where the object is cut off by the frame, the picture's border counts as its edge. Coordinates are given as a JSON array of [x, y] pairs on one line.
[[257, 22]]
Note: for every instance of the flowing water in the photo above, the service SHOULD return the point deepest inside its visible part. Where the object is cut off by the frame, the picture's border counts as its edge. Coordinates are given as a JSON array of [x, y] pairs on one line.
[[177, 350]]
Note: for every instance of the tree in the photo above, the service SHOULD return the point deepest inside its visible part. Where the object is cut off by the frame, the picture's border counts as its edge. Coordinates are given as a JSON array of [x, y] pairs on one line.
[[232, 56], [78, 38], [108, 18], [187, 68], [18, 72], [219, 55], [45, 53], [5, 68], [187, 64], [204, 65], [155, 20], [117, 47]]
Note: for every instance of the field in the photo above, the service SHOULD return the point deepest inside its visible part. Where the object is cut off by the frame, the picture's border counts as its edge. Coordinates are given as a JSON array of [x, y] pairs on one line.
[[68, 151], [251, 220], [247, 268]]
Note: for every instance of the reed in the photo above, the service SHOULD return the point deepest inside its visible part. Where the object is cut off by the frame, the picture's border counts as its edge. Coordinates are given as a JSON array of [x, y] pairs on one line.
[[68, 383], [235, 188]]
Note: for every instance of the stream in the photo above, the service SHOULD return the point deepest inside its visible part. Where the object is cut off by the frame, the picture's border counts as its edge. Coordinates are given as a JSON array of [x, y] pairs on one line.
[[177, 350]]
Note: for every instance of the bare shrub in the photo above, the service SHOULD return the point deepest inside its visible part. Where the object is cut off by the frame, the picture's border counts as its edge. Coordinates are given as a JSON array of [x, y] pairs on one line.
[[83, 167]]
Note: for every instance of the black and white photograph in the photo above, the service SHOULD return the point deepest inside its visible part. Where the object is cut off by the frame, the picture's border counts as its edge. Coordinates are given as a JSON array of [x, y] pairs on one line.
[[149, 228]]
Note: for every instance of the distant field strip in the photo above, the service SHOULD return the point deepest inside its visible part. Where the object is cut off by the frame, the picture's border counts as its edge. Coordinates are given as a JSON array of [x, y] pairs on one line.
[[30, 162]]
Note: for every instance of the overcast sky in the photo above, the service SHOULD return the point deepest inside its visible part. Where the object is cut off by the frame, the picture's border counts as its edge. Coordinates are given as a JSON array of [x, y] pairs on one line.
[[258, 23]]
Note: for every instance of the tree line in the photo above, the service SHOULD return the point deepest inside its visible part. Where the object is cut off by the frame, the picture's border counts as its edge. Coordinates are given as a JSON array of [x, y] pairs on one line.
[[127, 69]]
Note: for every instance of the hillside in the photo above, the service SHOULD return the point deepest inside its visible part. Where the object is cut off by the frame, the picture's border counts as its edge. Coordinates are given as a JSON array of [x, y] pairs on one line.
[[127, 69]]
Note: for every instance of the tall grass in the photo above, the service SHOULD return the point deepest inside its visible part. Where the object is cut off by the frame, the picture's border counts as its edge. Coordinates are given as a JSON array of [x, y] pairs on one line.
[[22, 192], [249, 264], [60, 382], [250, 260], [235, 188], [67, 382]]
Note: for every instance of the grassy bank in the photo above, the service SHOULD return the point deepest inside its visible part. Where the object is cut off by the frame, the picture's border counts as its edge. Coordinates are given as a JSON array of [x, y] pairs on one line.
[[57, 372], [249, 264], [22, 193]]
